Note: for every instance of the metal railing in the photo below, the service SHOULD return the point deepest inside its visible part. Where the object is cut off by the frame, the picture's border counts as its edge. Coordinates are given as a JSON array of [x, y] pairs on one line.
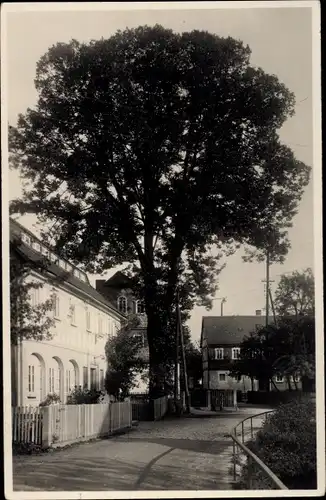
[[243, 431]]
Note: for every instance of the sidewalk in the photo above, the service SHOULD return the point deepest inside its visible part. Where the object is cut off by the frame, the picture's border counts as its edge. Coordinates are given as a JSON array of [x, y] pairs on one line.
[[174, 454]]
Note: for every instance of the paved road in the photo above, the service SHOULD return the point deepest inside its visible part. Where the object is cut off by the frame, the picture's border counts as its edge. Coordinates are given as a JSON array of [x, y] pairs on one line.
[[184, 454]]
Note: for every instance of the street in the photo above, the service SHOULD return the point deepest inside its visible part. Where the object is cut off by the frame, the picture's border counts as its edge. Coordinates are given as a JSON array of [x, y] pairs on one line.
[[172, 454]]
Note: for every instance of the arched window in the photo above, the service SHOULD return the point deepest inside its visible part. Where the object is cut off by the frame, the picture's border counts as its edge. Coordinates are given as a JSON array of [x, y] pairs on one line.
[[122, 304], [140, 307]]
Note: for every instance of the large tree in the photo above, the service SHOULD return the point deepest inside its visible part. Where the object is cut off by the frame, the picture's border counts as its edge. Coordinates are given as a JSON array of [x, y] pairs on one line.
[[295, 294], [154, 148]]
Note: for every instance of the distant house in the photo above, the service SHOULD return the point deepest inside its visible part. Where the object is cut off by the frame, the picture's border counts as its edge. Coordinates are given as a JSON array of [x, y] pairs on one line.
[[221, 337], [118, 290], [84, 320]]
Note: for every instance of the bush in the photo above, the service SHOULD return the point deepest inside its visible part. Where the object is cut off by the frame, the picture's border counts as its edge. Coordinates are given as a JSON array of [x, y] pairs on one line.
[[50, 400], [287, 445], [81, 396]]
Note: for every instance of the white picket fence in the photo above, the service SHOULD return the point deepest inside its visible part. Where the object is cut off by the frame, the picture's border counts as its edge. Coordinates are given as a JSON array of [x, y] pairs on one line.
[[65, 424], [27, 424]]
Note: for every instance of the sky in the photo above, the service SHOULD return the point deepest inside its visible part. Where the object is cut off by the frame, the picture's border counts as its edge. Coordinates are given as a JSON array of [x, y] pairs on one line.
[[281, 44]]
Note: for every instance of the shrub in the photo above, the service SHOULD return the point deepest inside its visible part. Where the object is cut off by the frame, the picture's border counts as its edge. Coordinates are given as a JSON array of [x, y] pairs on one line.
[[287, 445], [81, 396], [50, 400]]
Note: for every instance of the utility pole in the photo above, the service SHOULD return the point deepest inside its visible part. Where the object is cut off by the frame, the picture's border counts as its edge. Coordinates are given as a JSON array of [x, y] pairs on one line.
[[273, 308], [184, 364], [176, 364], [267, 289]]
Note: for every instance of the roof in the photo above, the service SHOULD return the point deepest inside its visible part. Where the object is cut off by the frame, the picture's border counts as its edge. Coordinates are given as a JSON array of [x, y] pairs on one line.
[[39, 261], [230, 329], [118, 280]]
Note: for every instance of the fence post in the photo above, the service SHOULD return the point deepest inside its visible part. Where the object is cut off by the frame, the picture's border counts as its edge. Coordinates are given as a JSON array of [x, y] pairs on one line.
[[46, 412], [234, 462]]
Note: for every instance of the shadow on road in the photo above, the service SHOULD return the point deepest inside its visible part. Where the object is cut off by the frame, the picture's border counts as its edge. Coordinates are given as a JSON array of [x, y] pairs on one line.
[[196, 445]]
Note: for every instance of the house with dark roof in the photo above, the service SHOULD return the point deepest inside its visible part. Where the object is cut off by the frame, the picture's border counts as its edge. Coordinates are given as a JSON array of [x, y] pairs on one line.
[[118, 290], [220, 341], [221, 337], [84, 320]]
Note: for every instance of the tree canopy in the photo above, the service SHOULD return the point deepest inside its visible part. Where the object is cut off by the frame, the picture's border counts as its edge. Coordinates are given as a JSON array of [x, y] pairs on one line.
[[160, 150], [295, 294], [287, 349]]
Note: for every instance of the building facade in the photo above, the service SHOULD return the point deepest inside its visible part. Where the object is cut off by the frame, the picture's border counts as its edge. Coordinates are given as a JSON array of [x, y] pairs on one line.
[[83, 321], [221, 337], [118, 290]]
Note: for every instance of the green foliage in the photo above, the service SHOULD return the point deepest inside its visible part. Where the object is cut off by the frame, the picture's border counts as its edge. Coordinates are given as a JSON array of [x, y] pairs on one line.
[[50, 400], [287, 444], [124, 361], [80, 396], [154, 148], [27, 321], [295, 294]]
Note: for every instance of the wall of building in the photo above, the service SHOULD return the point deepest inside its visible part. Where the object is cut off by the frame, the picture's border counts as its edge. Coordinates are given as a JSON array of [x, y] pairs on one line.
[[75, 355], [220, 379]]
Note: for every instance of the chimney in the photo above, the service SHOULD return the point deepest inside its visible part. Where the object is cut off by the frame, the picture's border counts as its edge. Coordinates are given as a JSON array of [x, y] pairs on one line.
[[258, 312]]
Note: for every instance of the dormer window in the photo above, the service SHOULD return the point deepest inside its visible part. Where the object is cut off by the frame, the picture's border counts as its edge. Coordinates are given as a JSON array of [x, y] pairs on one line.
[[122, 304], [26, 239]]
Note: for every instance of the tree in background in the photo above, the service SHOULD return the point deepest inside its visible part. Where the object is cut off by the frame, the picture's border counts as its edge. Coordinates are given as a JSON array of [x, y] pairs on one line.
[[153, 148], [124, 361], [287, 349], [295, 294]]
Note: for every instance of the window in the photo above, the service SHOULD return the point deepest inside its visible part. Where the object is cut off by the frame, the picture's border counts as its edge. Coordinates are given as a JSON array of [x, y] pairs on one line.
[[139, 338], [51, 380], [88, 320], [85, 377], [279, 378], [219, 353], [67, 381], [36, 246], [26, 239], [100, 325], [139, 307], [239, 378], [45, 251], [56, 309], [295, 378], [235, 352], [122, 304], [31, 385], [101, 379], [35, 296], [93, 378], [53, 258], [222, 377], [73, 314]]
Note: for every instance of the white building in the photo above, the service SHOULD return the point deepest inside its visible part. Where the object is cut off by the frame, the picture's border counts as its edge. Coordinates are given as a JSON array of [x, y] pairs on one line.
[[84, 320]]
